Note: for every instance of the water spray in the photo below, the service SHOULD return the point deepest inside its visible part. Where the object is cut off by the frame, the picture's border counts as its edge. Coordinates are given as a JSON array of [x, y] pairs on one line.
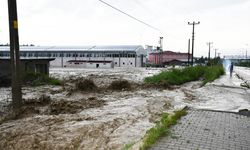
[[226, 64]]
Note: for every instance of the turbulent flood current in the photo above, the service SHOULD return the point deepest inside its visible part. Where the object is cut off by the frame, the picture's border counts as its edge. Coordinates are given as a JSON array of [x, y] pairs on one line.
[[58, 117]]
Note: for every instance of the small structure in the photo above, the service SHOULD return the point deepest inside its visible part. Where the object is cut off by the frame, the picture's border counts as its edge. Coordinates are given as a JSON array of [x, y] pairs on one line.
[[90, 64], [27, 65]]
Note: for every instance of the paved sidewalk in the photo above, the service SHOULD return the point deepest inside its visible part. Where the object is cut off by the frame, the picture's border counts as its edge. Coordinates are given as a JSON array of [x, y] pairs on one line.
[[203, 130]]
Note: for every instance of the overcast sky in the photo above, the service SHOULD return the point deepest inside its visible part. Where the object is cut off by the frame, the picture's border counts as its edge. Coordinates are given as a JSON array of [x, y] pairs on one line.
[[226, 23]]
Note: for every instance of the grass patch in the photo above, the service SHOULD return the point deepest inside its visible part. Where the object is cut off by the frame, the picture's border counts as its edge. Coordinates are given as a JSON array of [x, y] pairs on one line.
[[161, 128], [180, 76], [128, 146], [37, 79], [212, 73]]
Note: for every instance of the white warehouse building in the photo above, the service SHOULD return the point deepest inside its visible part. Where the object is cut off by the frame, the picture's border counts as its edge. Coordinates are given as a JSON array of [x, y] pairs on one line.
[[85, 56]]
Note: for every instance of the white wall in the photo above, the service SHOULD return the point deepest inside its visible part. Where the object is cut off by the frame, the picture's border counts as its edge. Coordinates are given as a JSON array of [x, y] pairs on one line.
[[90, 65], [124, 61]]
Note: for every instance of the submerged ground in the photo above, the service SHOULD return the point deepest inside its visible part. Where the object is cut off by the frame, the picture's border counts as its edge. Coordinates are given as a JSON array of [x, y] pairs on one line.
[[57, 118]]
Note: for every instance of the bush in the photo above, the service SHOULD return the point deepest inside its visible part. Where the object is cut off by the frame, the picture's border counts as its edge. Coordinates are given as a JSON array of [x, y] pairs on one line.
[[86, 85], [120, 85]]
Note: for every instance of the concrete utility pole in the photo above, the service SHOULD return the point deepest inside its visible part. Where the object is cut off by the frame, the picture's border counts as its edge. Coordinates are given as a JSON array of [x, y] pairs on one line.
[[215, 52], [14, 55], [188, 52], [209, 48], [193, 24], [160, 50]]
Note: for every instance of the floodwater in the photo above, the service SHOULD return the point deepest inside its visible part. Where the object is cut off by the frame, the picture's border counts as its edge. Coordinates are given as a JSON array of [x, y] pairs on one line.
[[225, 93], [110, 119]]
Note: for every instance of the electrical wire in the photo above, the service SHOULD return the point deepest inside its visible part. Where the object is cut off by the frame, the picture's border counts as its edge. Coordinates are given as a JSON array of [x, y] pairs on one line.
[[151, 26], [130, 16]]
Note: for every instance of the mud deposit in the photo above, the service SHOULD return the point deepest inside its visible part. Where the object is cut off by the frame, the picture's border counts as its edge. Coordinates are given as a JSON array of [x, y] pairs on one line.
[[69, 117]]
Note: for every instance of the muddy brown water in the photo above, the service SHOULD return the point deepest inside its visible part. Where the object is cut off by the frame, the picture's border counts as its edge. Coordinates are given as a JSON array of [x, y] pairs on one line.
[[105, 119]]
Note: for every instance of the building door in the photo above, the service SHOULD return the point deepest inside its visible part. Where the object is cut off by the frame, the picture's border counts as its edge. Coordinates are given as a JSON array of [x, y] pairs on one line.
[[142, 61], [97, 65], [41, 68]]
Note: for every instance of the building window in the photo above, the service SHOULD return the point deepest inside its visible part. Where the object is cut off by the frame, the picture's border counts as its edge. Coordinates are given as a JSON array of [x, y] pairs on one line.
[[53, 55], [116, 63], [123, 63], [131, 63]]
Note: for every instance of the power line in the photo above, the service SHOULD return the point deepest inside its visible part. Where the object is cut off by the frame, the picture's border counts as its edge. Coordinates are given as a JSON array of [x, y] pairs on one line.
[[130, 16]]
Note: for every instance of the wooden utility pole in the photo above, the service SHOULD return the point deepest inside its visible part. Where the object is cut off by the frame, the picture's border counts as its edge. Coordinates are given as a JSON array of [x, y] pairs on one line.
[[193, 24], [14, 55]]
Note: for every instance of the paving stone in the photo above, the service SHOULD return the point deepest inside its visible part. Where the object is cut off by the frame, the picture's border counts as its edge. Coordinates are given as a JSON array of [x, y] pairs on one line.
[[203, 129]]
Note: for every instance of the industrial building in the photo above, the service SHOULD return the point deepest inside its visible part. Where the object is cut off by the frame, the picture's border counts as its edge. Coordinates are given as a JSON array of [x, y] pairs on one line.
[[169, 58], [85, 56]]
